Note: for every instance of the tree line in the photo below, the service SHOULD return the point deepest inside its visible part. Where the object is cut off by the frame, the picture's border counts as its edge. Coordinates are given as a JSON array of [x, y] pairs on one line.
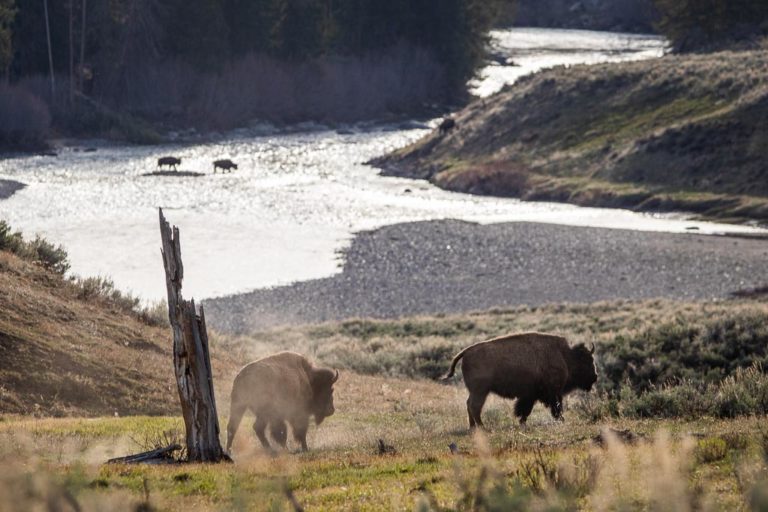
[[92, 40], [697, 24]]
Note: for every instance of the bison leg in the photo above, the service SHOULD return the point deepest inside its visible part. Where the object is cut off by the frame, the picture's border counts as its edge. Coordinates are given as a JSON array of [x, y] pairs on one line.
[[475, 404], [259, 427], [300, 427], [556, 408], [523, 408], [235, 415], [279, 431]]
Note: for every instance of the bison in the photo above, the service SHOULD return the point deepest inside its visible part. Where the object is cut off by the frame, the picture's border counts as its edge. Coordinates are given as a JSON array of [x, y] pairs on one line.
[[529, 366], [225, 165], [170, 161], [284, 387], [447, 124]]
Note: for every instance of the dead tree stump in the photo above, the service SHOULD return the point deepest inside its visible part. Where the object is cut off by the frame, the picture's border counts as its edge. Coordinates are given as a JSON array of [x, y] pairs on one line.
[[191, 359]]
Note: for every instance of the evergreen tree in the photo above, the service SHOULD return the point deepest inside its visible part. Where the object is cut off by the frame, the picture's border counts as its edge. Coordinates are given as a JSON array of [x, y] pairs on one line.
[[691, 24], [196, 31], [7, 14]]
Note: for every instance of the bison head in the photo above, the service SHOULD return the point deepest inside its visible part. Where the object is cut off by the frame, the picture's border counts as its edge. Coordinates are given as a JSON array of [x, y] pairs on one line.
[[323, 380], [581, 368]]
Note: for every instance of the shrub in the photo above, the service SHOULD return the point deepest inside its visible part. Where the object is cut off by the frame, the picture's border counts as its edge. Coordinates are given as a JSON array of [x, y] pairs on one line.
[[38, 250], [51, 256], [10, 241], [712, 449], [743, 394], [676, 351], [736, 440], [103, 289]]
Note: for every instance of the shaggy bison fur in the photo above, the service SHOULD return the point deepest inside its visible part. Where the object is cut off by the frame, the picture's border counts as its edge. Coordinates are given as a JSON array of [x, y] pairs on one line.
[[530, 367], [284, 387]]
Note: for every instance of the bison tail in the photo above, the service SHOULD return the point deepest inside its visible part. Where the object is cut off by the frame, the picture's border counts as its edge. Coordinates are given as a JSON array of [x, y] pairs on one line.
[[453, 365], [236, 412]]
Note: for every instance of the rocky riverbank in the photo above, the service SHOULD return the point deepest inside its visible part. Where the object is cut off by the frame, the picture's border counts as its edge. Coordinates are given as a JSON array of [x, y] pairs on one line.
[[452, 266]]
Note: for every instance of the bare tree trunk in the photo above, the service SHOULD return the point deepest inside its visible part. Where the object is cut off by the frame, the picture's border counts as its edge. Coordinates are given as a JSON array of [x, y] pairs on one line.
[[71, 55], [50, 52], [191, 359], [83, 6]]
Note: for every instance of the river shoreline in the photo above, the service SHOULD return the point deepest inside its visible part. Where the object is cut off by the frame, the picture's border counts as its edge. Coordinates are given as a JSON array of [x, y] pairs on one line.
[[453, 266]]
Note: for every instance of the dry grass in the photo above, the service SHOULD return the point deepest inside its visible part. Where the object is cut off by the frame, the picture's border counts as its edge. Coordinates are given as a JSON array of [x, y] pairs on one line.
[[544, 465], [66, 354], [424, 346]]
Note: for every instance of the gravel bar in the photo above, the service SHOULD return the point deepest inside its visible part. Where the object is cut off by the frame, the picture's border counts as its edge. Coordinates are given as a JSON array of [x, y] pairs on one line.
[[451, 266], [9, 187]]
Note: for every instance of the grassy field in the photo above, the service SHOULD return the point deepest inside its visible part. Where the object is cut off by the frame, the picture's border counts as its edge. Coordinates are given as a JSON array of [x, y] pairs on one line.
[[684, 462], [705, 464]]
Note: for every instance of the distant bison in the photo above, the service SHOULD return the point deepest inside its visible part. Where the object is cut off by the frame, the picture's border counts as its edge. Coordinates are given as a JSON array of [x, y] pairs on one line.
[[225, 165], [170, 161], [447, 125], [284, 387], [530, 367]]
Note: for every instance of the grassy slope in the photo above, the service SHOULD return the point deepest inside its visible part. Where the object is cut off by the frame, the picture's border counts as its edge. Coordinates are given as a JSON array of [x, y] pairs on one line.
[[678, 133], [63, 355]]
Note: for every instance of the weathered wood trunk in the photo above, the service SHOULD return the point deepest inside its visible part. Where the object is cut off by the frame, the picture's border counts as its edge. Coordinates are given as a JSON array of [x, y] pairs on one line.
[[191, 360]]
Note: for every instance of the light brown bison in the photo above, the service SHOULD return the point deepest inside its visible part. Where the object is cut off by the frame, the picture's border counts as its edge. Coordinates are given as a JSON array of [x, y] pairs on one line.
[[225, 164], [284, 387], [170, 161], [530, 366]]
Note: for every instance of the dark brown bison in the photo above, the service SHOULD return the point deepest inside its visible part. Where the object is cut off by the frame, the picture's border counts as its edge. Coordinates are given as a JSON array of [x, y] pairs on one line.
[[530, 366], [284, 387], [170, 161], [447, 124], [224, 164]]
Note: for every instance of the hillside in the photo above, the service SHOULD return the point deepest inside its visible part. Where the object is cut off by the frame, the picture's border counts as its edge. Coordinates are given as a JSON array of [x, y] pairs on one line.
[[684, 132], [67, 351]]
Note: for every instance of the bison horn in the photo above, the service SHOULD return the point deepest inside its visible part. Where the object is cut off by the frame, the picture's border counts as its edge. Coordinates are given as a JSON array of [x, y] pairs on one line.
[[336, 377], [591, 348]]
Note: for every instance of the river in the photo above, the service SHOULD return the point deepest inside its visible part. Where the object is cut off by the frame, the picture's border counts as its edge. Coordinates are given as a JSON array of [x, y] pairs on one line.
[[298, 196]]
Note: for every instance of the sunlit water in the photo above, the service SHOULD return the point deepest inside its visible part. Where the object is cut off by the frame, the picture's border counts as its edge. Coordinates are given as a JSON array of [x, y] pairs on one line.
[[296, 199], [527, 50]]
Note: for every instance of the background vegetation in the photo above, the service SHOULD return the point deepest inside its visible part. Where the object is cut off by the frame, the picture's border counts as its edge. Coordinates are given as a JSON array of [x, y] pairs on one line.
[[707, 24], [221, 63]]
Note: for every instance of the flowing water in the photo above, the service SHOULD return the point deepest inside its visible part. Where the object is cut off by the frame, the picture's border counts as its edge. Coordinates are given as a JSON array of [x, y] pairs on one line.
[[296, 199]]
